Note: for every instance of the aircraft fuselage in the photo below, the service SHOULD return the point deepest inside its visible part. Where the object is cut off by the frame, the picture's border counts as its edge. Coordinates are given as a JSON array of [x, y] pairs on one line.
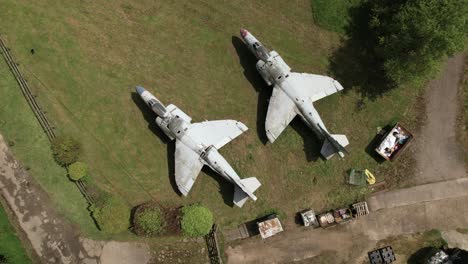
[[175, 123], [276, 72]]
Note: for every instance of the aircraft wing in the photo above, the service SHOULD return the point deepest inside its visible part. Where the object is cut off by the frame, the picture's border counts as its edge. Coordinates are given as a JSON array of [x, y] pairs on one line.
[[315, 86], [187, 167], [216, 133], [281, 111]]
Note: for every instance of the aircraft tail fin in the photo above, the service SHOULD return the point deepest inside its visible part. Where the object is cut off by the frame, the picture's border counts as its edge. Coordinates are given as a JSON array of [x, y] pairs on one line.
[[245, 189], [334, 144]]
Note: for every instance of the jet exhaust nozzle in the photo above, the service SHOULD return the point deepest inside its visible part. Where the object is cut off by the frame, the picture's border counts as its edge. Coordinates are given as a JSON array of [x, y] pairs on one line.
[[152, 101]]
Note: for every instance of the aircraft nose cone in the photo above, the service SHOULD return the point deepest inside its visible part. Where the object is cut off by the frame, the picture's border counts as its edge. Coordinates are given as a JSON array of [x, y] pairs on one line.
[[140, 90], [243, 32]]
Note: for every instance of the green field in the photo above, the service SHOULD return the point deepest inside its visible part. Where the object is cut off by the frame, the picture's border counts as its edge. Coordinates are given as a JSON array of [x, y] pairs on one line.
[[333, 14], [30, 145], [89, 56], [10, 246]]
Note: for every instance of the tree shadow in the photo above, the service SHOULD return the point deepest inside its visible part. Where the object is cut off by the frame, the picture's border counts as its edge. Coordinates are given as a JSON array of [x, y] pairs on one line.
[[248, 62], [150, 117], [422, 255], [357, 64], [226, 189]]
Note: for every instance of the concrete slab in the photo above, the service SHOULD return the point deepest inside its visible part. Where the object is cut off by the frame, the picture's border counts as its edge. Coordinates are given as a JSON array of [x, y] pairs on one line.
[[418, 194]]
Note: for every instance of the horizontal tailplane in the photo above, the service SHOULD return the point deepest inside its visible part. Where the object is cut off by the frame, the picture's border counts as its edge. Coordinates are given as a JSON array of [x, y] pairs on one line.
[[334, 144], [245, 189]]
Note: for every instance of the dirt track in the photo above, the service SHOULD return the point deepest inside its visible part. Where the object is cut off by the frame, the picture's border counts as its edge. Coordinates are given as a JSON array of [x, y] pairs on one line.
[[439, 156]]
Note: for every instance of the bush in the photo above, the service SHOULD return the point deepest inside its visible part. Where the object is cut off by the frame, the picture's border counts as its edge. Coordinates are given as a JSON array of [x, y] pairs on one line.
[[196, 220], [66, 150], [77, 171], [112, 215], [150, 221]]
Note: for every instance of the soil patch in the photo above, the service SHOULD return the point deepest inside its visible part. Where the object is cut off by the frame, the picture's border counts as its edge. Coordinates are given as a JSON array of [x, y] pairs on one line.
[[172, 217], [439, 156]]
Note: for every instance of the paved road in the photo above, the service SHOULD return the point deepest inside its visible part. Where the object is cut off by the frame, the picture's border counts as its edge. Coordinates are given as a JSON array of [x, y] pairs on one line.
[[418, 194], [356, 237], [53, 239]]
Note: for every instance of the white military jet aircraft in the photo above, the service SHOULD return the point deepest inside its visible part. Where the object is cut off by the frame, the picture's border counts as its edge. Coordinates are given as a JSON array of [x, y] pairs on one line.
[[293, 94], [197, 144]]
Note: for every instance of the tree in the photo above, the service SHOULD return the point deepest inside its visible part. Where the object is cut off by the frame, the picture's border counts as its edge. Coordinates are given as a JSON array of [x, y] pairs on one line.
[[150, 221], [66, 150], [3, 259], [112, 215], [196, 220], [77, 171], [411, 37]]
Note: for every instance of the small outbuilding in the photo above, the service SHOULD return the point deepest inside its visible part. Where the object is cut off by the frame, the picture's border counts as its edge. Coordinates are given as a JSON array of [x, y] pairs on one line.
[[270, 227]]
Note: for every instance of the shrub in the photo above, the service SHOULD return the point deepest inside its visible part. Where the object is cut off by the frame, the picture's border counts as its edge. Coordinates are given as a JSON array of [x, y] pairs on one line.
[[196, 220], [112, 215], [150, 221], [65, 150], [77, 171]]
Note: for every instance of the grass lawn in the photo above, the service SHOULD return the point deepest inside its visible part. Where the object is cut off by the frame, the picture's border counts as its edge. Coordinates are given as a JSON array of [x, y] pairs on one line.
[[333, 14], [31, 146], [10, 246], [89, 56]]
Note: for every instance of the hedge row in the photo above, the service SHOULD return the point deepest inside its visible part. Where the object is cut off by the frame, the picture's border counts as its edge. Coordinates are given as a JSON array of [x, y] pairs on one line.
[[112, 214]]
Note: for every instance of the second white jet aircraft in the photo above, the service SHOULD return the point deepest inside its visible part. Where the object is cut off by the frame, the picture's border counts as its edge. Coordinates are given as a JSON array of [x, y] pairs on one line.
[[293, 94], [197, 144]]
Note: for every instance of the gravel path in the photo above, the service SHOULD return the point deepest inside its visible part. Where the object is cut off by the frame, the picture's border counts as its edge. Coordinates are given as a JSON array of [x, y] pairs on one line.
[[439, 156]]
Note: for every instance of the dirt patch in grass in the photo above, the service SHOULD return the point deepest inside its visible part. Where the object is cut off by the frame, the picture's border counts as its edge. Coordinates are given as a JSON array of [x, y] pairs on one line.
[[172, 217], [326, 257], [462, 230]]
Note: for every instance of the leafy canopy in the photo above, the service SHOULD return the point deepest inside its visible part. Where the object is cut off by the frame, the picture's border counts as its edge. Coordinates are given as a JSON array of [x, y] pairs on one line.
[[196, 220], [151, 221], [78, 170], [66, 150], [413, 36], [112, 215]]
